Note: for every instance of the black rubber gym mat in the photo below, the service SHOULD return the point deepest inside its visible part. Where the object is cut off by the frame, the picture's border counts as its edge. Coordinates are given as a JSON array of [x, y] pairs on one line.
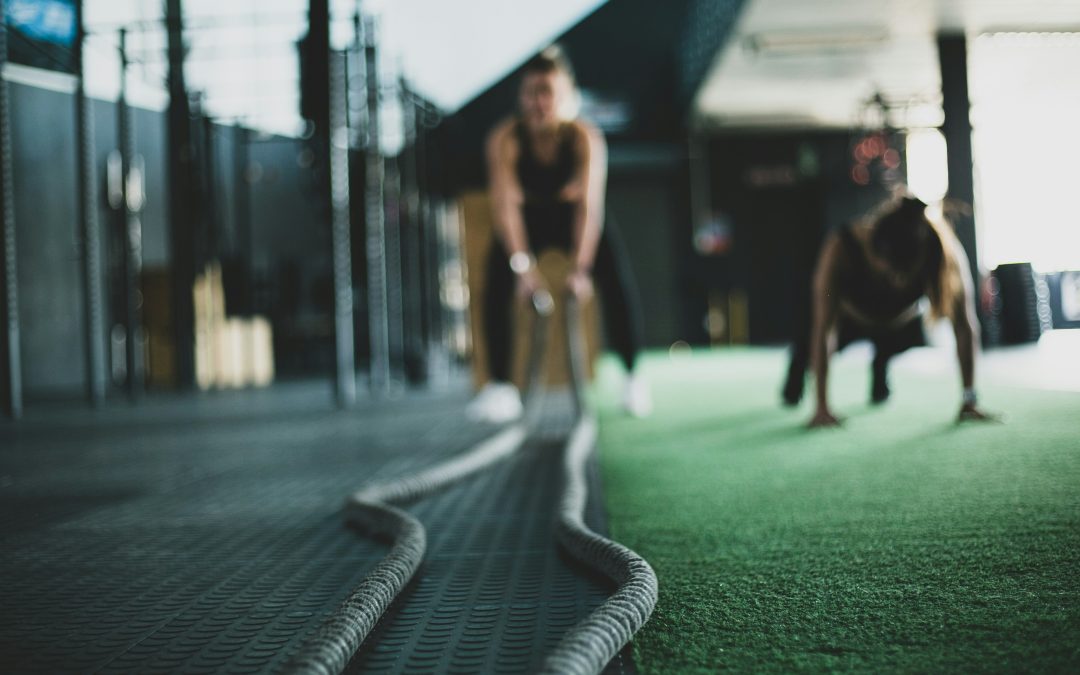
[[183, 537], [494, 594]]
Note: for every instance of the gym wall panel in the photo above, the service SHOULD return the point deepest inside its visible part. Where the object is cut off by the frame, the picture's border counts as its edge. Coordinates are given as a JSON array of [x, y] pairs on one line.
[[50, 305], [287, 229]]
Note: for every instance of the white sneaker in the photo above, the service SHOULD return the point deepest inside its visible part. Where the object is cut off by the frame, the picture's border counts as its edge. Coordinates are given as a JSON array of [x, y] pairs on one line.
[[497, 402], [637, 399]]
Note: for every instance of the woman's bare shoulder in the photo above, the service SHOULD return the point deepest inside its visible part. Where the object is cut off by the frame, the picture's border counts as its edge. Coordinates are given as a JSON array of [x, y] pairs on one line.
[[834, 253], [584, 131], [861, 230], [501, 138]]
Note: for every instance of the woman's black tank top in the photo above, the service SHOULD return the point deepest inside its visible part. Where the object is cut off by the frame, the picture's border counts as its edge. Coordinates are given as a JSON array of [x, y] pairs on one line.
[[867, 291], [541, 182], [548, 219]]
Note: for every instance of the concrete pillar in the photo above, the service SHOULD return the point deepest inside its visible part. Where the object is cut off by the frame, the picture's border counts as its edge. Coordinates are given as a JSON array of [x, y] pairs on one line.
[[182, 226], [952, 54], [11, 369]]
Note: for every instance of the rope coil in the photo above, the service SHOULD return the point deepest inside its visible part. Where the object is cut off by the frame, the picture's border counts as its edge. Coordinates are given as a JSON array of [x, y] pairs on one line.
[[590, 645]]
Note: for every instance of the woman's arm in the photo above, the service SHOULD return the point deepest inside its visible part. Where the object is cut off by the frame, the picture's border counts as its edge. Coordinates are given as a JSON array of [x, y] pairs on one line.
[[587, 192], [505, 191], [824, 312], [966, 329], [506, 200]]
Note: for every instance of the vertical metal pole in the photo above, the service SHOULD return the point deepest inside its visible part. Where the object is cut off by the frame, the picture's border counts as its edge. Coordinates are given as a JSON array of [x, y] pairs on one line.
[[325, 87], [378, 311], [245, 239], [181, 225], [208, 165], [13, 403], [956, 104], [429, 238], [340, 227], [395, 277], [698, 167], [413, 287], [130, 227], [91, 231], [443, 234]]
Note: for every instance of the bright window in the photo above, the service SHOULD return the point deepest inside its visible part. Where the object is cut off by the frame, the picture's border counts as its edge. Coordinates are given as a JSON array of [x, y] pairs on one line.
[[1025, 105]]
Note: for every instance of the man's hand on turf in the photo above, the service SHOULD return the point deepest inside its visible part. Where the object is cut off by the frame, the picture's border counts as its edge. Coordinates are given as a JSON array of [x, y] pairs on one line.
[[969, 412], [823, 418]]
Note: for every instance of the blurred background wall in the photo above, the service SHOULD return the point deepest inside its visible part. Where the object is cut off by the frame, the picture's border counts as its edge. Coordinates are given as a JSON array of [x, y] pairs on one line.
[[306, 161]]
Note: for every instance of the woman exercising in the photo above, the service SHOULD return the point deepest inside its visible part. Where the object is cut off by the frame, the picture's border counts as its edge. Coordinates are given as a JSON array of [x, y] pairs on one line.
[[869, 283], [547, 171]]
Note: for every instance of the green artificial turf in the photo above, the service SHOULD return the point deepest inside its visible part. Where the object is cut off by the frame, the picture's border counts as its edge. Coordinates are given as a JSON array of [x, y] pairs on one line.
[[901, 542]]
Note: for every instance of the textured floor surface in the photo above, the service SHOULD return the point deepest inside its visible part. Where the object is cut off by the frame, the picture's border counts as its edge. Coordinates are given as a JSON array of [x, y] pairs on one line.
[[899, 543], [204, 535]]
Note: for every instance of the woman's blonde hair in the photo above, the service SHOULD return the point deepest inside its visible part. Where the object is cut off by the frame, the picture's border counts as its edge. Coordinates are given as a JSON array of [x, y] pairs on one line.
[[948, 285], [553, 59], [902, 230]]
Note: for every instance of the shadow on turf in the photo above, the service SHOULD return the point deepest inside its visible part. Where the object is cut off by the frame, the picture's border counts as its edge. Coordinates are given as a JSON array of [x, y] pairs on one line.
[[932, 429], [687, 429], [747, 429], [769, 424], [773, 434]]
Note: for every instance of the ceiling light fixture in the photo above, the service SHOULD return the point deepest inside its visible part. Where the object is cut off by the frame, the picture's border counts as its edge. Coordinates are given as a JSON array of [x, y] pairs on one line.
[[801, 41]]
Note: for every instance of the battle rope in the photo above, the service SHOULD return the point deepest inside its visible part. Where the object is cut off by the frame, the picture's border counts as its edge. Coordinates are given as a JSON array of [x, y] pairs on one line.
[[371, 509], [591, 644]]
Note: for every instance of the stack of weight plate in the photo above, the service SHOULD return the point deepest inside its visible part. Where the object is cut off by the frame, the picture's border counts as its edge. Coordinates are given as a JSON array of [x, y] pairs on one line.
[[1015, 316]]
